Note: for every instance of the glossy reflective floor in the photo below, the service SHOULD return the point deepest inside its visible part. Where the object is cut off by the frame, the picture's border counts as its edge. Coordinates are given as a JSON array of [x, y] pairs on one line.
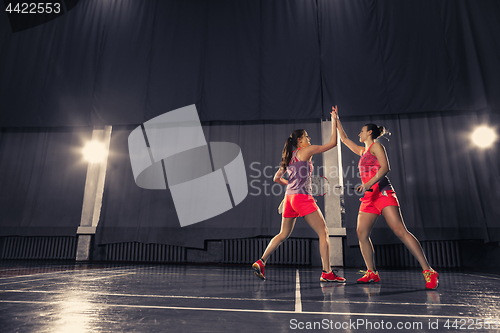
[[59, 297]]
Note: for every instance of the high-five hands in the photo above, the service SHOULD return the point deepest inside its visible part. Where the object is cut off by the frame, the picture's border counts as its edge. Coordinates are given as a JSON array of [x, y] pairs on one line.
[[334, 113]]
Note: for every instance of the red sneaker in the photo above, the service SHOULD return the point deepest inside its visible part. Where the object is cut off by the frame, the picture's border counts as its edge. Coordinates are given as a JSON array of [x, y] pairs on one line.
[[331, 277], [258, 266], [431, 279], [369, 277]]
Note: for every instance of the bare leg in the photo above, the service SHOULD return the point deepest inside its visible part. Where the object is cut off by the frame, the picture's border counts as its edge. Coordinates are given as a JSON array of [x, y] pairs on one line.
[[394, 219], [365, 225], [317, 222], [287, 224]]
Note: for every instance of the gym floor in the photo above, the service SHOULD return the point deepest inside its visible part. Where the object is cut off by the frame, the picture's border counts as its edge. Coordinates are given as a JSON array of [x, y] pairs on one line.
[[68, 297]]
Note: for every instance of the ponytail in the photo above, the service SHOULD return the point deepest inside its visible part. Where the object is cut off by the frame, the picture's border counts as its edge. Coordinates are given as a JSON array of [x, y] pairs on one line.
[[291, 142], [377, 131]]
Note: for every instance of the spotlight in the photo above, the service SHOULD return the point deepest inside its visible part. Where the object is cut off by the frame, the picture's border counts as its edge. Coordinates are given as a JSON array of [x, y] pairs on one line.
[[483, 136], [94, 152]]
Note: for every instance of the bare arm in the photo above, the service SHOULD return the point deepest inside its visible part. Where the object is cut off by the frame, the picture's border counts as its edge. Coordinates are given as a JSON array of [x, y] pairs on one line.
[[306, 153], [358, 150], [278, 177]]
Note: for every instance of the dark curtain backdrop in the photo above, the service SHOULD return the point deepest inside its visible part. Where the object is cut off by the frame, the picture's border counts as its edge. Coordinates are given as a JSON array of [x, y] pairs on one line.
[[131, 213], [447, 187], [257, 70], [42, 179], [392, 57], [125, 62]]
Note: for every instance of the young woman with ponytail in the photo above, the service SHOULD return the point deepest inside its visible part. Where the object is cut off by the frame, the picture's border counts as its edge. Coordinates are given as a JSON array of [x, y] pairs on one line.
[[298, 199], [380, 199]]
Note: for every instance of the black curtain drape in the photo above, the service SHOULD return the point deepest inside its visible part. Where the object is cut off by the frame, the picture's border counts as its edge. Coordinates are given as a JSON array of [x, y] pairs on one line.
[[42, 177], [125, 62], [130, 213], [448, 188], [257, 70], [392, 57]]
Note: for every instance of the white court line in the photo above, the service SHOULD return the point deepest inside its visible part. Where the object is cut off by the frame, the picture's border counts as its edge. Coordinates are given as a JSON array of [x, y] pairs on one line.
[[298, 303], [394, 303], [14, 282], [108, 276], [97, 270], [209, 298], [56, 277], [346, 314], [104, 269], [483, 276], [213, 298]]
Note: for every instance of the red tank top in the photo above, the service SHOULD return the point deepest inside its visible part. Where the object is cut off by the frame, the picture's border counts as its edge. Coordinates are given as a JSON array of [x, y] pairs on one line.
[[368, 167]]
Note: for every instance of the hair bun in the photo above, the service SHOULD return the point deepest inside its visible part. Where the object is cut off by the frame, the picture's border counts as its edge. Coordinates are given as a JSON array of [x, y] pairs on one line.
[[377, 131], [384, 132]]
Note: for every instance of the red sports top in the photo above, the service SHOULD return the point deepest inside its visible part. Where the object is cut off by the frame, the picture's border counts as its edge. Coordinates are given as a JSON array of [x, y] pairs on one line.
[[368, 167]]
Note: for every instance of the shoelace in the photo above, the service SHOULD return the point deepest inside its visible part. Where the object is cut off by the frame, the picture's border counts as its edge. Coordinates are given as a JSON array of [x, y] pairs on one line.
[[427, 276], [364, 272]]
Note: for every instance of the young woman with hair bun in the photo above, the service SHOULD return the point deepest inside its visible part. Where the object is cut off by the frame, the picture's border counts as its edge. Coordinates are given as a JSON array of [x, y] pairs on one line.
[[380, 199], [298, 199]]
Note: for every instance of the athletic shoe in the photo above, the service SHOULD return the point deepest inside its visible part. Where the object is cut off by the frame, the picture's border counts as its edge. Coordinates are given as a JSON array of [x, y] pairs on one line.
[[369, 277], [431, 279], [331, 277], [258, 266]]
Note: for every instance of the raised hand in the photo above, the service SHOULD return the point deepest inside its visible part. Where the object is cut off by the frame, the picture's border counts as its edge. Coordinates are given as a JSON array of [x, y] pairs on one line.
[[334, 113]]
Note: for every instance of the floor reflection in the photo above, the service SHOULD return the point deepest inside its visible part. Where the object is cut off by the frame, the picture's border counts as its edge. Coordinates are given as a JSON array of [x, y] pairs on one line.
[[71, 298]]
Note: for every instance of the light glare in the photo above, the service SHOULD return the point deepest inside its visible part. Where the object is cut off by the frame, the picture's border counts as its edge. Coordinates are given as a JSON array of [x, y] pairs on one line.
[[483, 136], [94, 152]]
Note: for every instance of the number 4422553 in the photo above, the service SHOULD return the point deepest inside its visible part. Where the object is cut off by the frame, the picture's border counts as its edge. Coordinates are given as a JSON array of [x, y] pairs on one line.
[[471, 324], [34, 8]]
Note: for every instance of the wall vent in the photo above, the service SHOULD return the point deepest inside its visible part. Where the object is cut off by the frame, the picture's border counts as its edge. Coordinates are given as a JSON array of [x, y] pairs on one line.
[[443, 254], [134, 251], [294, 251], [17, 247]]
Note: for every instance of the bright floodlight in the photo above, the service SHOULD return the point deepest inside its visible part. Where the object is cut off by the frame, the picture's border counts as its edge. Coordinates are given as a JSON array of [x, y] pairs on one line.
[[94, 152], [483, 136]]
